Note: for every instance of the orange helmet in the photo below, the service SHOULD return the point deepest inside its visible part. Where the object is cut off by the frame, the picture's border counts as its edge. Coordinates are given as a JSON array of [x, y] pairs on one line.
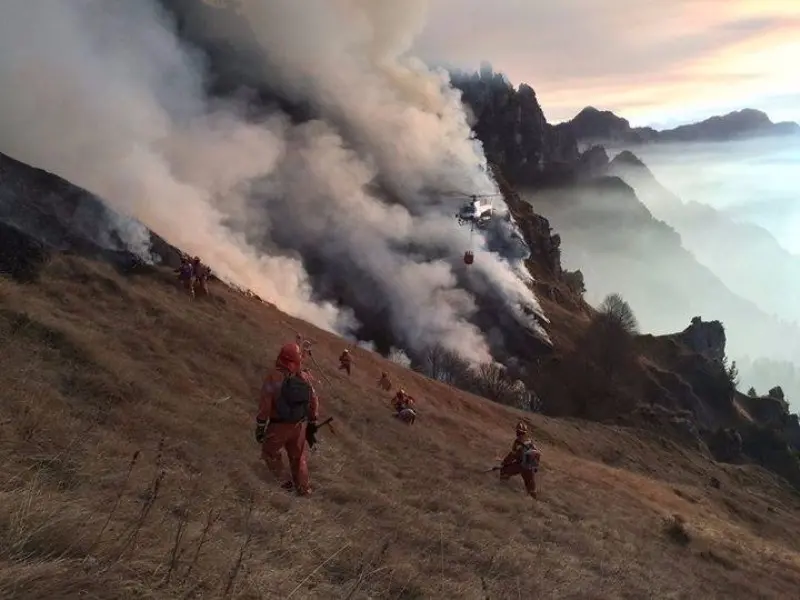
[[289, 357]]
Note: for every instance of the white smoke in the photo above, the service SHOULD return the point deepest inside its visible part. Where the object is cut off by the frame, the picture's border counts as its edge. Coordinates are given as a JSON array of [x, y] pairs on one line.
[[105, 94], [399, 357]]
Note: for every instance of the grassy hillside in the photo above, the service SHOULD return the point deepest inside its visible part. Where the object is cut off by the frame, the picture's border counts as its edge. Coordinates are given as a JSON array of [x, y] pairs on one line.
[[98, 368]]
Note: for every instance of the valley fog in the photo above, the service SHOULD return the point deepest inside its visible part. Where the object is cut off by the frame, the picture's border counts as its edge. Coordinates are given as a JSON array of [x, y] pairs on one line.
[[736, 209], [754, 181]]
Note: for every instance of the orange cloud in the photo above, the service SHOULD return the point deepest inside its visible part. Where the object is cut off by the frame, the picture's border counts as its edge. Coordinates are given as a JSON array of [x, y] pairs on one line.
[[636, 58]]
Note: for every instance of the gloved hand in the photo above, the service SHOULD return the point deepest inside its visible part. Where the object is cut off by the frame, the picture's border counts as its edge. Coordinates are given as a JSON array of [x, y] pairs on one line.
[[260, 428], [311, 433]]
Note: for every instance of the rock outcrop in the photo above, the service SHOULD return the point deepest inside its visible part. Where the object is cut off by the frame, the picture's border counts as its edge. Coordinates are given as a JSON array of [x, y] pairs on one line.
[[706, 338], [514, 132]]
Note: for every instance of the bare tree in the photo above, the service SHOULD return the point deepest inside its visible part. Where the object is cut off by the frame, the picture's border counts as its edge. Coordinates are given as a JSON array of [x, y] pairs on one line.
[[491, 381], [445, 366], [616, 310]]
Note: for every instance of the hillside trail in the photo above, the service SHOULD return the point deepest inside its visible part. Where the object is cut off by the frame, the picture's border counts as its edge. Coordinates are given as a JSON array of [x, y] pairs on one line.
[[97, 366]]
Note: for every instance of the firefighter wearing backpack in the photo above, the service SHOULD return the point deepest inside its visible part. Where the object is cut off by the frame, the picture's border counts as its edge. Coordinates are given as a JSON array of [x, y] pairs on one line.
[[523, 460], [287, 403]]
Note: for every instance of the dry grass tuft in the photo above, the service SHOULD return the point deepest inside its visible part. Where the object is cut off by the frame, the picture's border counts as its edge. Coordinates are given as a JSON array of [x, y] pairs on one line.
[[129, 471], [675, 528]]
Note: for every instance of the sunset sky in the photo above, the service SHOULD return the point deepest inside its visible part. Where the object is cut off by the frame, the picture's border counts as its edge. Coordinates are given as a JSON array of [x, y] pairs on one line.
[[658, 62]]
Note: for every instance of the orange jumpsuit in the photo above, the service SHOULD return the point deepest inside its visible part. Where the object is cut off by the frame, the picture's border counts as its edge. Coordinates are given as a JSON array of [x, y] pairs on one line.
[[200, 278], [290, 437], [401, 402], [345, 362], [384, 383], [512, 464], [186, 276]]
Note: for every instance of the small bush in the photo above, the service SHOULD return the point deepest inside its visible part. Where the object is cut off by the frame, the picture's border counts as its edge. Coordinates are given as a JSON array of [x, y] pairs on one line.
[[731, 375], [675, 529], [575, 282]]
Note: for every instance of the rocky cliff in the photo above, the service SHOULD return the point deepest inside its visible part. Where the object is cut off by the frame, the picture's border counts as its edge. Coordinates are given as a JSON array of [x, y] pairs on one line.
[[513, 130]]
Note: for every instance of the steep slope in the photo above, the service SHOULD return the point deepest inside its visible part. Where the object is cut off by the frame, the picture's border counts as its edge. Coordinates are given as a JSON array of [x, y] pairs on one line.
[[595, 126], [98, 366], [101, 364]]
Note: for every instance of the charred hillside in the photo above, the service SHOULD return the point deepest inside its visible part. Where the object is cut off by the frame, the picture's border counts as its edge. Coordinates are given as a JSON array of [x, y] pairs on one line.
[[42, 214]]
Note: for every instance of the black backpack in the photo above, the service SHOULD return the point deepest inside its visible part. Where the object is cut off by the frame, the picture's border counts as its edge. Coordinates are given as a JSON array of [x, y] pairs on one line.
[[294, 400], [528, 458]]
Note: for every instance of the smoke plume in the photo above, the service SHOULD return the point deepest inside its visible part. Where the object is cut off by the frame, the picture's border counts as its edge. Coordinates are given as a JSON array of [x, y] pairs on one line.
[[345, 210]]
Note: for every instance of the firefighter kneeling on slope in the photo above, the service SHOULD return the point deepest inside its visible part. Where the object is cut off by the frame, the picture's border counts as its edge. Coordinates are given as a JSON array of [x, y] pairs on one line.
[[288, 405], [523, 460], [404, 407]]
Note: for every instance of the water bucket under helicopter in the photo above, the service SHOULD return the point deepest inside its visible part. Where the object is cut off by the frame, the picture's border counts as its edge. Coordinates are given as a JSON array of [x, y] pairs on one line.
[[469, 257]]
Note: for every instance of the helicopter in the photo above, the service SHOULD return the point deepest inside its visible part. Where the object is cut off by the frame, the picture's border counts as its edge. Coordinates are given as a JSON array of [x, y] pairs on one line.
[[477, 211]]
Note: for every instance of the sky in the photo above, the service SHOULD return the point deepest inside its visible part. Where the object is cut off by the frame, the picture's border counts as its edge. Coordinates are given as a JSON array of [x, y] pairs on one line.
[[659, 63]]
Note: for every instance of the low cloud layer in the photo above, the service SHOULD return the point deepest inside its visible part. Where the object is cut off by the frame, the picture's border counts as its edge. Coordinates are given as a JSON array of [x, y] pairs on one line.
[[346, 207]]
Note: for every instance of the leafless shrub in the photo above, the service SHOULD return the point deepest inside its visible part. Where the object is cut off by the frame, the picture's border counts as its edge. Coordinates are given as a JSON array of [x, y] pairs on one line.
[[675, 529], [445, 366], [618, 312]]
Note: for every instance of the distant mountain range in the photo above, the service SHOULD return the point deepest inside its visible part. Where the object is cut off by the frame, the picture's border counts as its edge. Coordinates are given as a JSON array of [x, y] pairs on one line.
[[603, 126]]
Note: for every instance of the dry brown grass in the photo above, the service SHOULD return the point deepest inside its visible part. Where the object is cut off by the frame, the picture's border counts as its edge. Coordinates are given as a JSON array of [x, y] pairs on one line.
[[97, 369]]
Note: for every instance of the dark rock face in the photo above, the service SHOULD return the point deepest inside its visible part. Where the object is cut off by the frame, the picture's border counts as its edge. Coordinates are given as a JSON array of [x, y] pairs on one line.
[[771, 449], [544, 245], [706, 338], [593, 163], [592, 125], [515, 134], [725, 445]]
